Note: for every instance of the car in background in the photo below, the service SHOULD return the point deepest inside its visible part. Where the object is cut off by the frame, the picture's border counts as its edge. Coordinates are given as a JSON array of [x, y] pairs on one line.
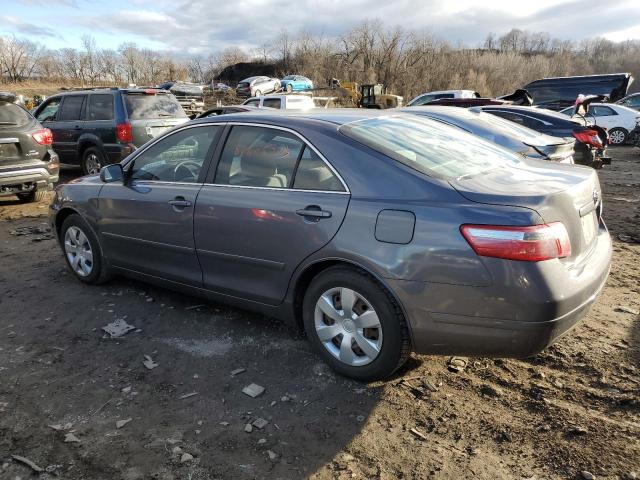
[[257, 86], [189, 95], [28, 165], [296, 83], [378, 233], [617, 119], [220, 87], [630, 101], [517, 139], [591, 141], [226, 110], [281, 102], [560, 92], [96, 127], [428, 97]]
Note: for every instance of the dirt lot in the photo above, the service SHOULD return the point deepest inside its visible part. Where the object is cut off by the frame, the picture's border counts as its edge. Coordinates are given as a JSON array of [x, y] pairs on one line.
[[64, 386]]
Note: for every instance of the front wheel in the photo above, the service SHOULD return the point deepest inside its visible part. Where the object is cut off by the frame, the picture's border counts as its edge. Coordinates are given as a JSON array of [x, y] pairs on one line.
[[355, 325], [258, 93], [82, 251], [289, 88], [617, 136]]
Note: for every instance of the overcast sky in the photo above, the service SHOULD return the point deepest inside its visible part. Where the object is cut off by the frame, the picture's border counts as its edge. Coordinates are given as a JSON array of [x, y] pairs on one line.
[[200, 26]]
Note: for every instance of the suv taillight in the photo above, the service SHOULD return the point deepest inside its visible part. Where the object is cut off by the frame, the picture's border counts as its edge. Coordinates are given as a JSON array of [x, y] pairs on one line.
[[43, 136], [124, 132], [531, 243]]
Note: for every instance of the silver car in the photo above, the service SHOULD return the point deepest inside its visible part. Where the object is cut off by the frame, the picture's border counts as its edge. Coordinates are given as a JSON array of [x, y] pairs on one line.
[[256, 86], [376, 233]]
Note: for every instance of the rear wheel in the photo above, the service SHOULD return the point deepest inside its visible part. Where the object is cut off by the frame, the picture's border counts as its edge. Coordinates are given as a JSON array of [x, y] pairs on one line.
[[92, 161], [34, 195], [618, 136], [82, 251], [258, 93], [355, 325]]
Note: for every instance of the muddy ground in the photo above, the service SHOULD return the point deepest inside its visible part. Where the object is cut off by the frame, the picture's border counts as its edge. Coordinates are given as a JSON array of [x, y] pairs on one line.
[[64, 386]]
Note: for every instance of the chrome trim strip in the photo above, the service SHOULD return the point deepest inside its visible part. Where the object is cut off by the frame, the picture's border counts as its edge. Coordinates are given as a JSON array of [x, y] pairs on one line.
[[242, 259], [273, 188], [148, 242], [20, 173], [9, 140]]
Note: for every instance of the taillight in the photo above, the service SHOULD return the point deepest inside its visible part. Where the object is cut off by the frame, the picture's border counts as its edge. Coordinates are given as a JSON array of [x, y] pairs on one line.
[[124, 132], [531, 243], [589, 137], [43, 136]]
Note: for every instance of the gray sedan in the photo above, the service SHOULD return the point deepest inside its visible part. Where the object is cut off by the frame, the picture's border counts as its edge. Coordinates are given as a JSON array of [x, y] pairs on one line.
[[377, 234], [514, 137]]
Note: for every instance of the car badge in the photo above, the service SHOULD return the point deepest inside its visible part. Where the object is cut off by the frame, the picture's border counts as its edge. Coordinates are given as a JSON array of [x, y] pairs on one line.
[[596, 196]]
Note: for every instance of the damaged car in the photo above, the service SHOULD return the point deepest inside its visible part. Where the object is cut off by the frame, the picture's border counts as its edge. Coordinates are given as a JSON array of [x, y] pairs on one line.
[[379, 233]]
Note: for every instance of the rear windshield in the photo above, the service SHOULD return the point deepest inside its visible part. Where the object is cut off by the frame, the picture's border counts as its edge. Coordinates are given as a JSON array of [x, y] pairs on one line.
[[153, 106], [428, 146], [12, 115]]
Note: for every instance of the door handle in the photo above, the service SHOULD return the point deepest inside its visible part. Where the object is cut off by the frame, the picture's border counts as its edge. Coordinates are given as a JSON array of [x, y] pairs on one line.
[[179, 203], [314, 211]]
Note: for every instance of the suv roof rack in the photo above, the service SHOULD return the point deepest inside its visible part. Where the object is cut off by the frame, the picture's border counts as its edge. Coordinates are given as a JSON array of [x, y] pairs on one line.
[[75, 89]]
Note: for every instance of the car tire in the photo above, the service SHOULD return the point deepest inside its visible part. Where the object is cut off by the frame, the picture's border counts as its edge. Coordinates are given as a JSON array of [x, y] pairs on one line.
[[289, 88], [258, 93], [34, 195], [82, 251], [92, 161], [383, 331], [618, 136]]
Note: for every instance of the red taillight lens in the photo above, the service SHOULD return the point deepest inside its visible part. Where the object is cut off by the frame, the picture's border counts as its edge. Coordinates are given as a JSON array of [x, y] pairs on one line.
[[590, 137], [124, 132], [43, 136], [531, 244]]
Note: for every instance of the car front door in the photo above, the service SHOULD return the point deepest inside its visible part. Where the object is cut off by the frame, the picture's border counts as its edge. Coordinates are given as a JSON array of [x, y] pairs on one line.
[[272, 202], [147, 220]]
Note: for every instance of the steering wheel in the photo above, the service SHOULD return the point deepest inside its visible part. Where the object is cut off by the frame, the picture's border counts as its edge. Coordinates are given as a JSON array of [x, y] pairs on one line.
[[186, 170]]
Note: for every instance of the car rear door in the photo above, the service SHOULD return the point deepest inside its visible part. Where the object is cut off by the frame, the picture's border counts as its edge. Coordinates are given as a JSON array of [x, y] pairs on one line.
[[271, 202], [147, 220], [69, 125]]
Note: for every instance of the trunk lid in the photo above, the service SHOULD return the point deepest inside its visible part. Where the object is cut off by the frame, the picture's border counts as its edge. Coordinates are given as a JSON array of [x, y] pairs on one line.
[[556, 149], [17, 146], [558, 193]]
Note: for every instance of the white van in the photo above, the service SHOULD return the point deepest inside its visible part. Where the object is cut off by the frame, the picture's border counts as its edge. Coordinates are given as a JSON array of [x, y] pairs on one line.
[[281, 102]]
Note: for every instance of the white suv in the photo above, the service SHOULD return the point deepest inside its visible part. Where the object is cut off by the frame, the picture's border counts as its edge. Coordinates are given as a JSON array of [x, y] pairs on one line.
[[427, 97], [282, 102]]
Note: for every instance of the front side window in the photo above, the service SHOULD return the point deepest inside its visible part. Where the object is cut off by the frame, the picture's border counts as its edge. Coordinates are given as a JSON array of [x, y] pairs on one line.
[[100, 107], [633, 101], [428, 146], [71, 108], [49, 111], [258, 157], [252, 103], [179, 157]]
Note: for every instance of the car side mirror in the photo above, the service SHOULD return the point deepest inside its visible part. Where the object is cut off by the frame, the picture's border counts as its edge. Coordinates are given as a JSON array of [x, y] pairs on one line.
[[111, 173]]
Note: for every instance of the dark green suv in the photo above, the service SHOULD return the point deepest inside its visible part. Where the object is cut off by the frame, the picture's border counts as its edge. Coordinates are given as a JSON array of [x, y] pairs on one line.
[[93, 128]]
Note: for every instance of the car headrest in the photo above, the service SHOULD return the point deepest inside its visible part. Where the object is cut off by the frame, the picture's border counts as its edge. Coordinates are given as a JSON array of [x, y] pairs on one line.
[[256, 164]]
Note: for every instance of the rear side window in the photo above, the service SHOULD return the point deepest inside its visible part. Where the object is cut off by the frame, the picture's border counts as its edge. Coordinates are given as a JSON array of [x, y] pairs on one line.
[[12, 115], [141, 106], [100, 107], [314, 174], [601, 111], [271, 103], [258, 157], [71, 108], [428, 146]]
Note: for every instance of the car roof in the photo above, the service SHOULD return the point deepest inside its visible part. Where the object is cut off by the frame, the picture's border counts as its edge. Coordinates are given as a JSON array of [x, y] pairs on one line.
[[524, 110], [107, 90]]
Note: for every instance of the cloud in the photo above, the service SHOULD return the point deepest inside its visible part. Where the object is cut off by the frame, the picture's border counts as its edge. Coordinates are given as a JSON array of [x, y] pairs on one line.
[[20, 26]]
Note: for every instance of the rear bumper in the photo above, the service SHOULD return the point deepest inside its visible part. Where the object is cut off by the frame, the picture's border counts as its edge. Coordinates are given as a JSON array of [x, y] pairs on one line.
[[504, 321], [24, 179]]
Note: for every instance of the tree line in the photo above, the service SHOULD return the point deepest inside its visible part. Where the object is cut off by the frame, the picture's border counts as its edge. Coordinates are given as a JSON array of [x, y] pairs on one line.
[[408, 62]]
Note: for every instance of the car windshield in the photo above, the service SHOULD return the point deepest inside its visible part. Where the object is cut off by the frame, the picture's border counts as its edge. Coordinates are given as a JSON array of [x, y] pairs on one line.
[[153, 106], [289, 77], [428, 146], [12, 115]]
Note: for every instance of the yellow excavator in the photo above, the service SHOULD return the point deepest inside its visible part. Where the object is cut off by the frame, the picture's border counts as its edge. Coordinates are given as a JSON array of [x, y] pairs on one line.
[[366, 96]]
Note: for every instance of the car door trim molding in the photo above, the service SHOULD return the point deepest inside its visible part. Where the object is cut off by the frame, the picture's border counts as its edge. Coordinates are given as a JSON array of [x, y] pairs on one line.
[[271, 264], [306, 142], [148, 242]]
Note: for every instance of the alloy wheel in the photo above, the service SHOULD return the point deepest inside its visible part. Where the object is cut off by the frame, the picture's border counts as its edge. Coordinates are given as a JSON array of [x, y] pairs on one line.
[[617, 137], [78, 251], [92, 164], [348, 326]]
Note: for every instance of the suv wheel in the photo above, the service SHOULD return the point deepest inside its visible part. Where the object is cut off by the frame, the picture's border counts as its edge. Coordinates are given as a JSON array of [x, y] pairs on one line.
[[34, 195], [82, 250], [355, 325], [92, 161]]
